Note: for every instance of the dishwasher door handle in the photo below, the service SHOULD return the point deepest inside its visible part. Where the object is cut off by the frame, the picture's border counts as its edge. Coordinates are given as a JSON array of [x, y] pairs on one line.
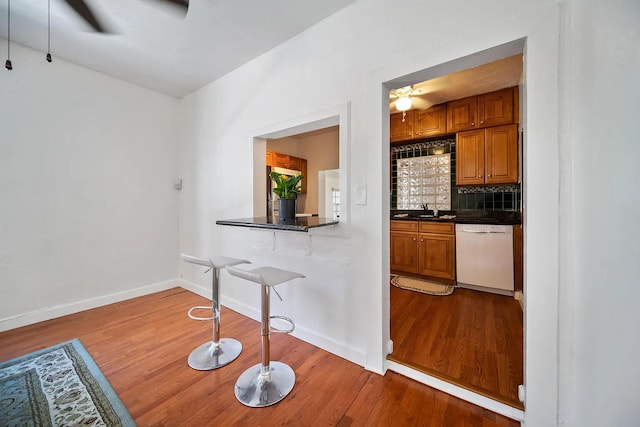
[[483, 232]]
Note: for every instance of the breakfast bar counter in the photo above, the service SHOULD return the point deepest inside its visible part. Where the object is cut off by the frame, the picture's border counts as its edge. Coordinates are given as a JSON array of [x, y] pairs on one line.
[[270, 223]]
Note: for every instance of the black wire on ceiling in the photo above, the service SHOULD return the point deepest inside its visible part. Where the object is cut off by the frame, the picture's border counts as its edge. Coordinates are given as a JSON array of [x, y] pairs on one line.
[[49, 31], [8, 64]]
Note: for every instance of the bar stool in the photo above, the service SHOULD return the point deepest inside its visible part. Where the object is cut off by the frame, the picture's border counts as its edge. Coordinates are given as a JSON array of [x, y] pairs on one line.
[[268, 382], [217, 352]]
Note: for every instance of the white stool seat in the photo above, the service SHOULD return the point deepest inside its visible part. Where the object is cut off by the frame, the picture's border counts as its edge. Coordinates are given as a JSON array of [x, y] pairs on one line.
[[219, 351], [217, 262], [267, 276]]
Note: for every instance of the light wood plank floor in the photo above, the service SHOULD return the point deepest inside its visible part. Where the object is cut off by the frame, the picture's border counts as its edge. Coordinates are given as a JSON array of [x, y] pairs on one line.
[[470, 338], [141, 345]]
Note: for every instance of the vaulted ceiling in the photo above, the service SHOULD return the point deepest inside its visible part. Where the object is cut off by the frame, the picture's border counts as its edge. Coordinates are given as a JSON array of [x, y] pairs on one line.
[[153, 44]]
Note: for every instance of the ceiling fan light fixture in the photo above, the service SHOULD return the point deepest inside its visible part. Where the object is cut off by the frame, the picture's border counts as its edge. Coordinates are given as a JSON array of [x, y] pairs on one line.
[[8, 65], [403, 103]]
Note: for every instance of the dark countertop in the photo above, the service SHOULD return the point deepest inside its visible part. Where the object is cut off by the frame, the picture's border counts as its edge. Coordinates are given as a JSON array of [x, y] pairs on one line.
[[269, 223], [461, 216]]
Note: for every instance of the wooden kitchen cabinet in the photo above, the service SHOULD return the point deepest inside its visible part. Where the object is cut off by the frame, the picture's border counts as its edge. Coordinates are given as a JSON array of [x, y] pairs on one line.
[[418, 124], [470, 157], [281, 160], [461, 114], [403, 244], [401, 126], [487, 156], [501, 154], [437, 250], [496, 108], [430, 122], [482, 111], [424, 248]]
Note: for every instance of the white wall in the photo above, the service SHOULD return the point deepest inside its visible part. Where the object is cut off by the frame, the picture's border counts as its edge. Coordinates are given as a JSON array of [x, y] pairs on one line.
[[600, 342], [343, 304], [88, 210]]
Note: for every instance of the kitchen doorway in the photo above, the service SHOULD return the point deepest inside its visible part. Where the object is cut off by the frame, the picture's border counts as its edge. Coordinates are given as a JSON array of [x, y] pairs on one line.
[[471, 339]]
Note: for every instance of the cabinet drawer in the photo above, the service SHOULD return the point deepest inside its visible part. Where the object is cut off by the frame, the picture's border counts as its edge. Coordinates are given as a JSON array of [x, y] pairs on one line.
[[404, 226], [437, 227]]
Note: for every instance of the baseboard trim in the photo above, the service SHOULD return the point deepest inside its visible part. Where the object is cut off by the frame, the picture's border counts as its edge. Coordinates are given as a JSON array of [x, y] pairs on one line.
[[519, 296], [456, 391], [339, 349], [49, 313]]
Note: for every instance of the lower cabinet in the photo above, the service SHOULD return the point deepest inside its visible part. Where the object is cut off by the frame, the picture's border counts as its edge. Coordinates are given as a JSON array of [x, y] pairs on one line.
[[424, 248]]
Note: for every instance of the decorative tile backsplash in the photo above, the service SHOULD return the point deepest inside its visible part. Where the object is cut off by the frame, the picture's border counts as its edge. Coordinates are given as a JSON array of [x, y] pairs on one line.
[[489, 197]]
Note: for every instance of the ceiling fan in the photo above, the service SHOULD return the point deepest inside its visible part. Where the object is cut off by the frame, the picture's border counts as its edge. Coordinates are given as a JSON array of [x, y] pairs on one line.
[[408, 97], [82, 9], [420, 95]]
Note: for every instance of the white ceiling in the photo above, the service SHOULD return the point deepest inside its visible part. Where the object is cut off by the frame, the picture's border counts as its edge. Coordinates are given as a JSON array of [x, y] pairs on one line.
[[154, 45]]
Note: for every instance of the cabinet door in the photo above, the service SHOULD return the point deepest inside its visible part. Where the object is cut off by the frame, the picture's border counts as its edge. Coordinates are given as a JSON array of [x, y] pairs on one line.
[[294, 163], [430, 122], [401, 126], [269, 159], [496, 108], [436, 256], [501, 154], [280, 160], [461, 114], [470, 157], [303, 169], [404, 251]]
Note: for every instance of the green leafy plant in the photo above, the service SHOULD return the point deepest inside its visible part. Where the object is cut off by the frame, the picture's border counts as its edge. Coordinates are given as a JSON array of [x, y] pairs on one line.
[[286, 186]]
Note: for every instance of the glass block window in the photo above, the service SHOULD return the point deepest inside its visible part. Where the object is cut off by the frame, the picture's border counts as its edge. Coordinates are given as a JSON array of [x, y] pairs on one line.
[[424, 179]]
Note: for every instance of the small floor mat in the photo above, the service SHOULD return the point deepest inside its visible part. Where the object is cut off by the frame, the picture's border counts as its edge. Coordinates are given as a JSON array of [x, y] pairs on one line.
[[420, 285]]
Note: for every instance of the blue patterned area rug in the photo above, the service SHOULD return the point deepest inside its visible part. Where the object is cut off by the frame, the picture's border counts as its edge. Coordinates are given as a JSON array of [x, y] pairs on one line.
[[58, 386]]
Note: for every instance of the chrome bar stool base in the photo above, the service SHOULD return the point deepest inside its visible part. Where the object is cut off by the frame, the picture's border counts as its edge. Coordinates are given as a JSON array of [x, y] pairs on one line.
[[219, 351], [209, 356], [257, 389], [270, 381]]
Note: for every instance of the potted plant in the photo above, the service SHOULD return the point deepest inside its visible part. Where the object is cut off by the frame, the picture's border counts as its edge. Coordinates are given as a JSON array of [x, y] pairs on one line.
[[287, 189]]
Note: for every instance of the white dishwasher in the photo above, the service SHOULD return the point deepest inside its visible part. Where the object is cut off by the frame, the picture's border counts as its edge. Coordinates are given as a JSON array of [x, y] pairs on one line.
[[484, 257]]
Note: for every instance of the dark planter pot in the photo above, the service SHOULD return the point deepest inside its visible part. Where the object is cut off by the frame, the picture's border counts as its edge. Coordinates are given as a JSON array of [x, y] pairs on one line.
[[287, 211]]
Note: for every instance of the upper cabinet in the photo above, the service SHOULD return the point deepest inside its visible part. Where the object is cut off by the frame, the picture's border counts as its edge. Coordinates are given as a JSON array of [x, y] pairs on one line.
[[401, 126], [475, 112], [487, 156], [418, 123], [430, 122]]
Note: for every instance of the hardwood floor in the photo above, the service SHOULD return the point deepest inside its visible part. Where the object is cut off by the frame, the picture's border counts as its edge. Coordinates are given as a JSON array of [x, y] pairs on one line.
[[470, 338], [141, 345]]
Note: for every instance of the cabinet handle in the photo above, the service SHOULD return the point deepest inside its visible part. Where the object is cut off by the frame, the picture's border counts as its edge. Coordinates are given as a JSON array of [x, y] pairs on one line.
[[479, 176], [414, 239], [473, 123], [422, 240], [481, 122], [489, 175]]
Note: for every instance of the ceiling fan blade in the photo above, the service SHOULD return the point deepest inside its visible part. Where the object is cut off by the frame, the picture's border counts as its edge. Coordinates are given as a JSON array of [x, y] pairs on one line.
[[87, 14], [182, 3], [421, 103]]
